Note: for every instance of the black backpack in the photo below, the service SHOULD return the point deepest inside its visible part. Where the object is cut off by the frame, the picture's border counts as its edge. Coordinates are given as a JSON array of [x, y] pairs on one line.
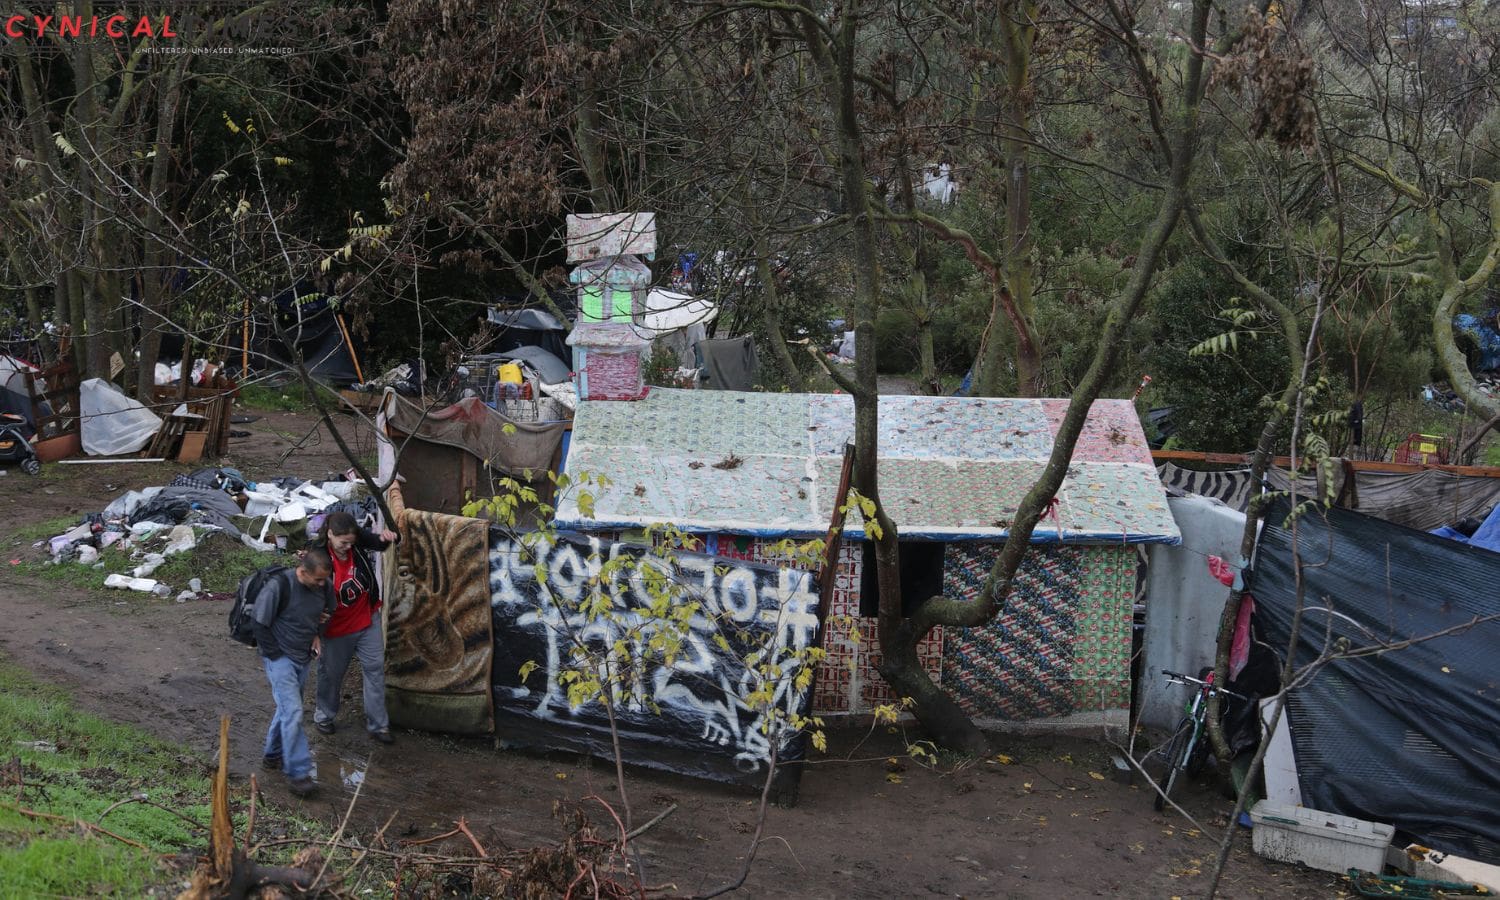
[[242, 615]]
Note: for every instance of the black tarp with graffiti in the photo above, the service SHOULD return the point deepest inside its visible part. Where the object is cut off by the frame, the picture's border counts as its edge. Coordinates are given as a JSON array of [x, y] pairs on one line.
[[690, 716], [1408, 735]]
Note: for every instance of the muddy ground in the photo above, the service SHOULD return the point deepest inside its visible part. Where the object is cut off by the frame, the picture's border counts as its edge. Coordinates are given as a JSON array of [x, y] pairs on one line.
[[1042, 825]]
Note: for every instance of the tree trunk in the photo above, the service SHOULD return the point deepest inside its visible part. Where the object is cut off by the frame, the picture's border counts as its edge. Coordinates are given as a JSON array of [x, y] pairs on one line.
[[899, 664], [899, 637], [155, 290], [927, 358], [590, 153], [1018, 33], [1455, 363], [989, 366], [77, 311], [770, 313]]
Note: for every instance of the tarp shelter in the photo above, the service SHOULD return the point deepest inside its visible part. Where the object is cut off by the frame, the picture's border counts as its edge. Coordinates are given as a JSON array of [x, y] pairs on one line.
[[743, 470], [1487, 535], [113, 424], [520, 328], [1402, 724], [1183, 603], [678, 322], [316, 327], [1486, 339], [452, 455]]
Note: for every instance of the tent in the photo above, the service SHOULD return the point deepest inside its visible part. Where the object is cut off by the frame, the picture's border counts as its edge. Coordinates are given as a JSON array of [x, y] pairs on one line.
[[1394, 719], [314, 322], [15, 397], [530, 328]]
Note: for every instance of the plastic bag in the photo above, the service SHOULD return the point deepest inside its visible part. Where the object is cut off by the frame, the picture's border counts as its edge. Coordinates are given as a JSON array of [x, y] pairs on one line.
[[113, 424]]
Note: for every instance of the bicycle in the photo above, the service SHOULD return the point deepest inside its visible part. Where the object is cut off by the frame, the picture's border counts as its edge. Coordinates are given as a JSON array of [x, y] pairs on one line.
[[1189, 747]]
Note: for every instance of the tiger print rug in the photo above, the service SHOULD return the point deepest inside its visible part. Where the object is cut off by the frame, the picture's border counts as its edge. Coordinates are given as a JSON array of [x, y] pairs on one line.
[[439, 634]]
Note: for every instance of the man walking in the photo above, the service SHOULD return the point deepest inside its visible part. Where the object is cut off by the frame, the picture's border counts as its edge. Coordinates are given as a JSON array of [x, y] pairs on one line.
[[289, 610]]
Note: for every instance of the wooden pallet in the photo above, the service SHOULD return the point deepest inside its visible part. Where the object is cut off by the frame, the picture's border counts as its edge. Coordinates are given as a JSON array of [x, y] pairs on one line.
[[214, 404]]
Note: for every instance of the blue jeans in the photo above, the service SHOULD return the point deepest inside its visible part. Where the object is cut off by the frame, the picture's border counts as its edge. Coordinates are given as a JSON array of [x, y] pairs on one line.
[[285, 738], [369, 646]]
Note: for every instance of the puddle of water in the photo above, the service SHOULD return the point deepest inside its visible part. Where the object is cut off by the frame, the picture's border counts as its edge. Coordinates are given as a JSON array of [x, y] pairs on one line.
[[352, 773]]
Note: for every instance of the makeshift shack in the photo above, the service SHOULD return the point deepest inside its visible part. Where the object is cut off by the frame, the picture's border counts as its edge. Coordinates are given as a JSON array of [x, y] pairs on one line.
[[1395, 719], [743, 470], [468, 619], [455, 454]]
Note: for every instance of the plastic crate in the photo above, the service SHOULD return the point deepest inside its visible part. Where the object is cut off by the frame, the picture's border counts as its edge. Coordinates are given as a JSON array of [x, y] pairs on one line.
[[1319, 840], [1424, 449]]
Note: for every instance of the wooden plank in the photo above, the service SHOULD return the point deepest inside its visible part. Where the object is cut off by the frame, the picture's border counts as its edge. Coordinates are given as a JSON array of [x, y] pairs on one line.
[[1358, 465]]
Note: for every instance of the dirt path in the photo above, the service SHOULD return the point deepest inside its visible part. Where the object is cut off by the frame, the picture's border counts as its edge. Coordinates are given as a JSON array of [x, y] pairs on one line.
[[1041, 826]]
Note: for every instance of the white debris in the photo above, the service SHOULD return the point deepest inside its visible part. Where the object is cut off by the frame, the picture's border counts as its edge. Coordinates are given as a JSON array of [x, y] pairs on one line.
[[179, 539]]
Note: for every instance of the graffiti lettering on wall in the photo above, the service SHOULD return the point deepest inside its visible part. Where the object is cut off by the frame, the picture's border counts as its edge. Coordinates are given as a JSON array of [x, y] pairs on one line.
[[690, 714]]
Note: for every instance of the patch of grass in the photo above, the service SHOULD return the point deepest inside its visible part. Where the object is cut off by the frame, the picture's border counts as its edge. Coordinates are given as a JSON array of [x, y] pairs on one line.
[[79, 767], [289, 397], [76, 766], [58, 867], [35, 531], [218, 561]]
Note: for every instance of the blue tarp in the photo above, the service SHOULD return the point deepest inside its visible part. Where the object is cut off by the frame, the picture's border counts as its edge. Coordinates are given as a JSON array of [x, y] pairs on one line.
[[1487, 338], [1487, 535]]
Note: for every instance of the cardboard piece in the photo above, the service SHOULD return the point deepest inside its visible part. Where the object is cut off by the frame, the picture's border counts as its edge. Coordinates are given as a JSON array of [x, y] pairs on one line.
[[192, 446], [60, 447]]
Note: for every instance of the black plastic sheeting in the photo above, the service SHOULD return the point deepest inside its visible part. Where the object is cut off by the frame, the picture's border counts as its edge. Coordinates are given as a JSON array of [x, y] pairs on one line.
[[728, 364], [315, 328], [1411, 736], [687, 718]]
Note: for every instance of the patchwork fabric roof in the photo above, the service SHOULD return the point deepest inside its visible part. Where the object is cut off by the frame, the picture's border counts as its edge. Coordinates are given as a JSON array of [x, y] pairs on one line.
[[951, 468]]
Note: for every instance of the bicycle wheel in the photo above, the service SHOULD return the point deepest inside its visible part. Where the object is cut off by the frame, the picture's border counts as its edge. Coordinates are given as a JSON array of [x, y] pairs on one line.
[[1176, 760]]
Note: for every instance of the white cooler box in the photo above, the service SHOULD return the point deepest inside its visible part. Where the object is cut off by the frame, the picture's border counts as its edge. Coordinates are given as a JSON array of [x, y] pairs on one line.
[[1319, 840]]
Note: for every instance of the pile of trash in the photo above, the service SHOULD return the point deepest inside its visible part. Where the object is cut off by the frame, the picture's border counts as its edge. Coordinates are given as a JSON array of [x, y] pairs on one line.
[[265, 516]]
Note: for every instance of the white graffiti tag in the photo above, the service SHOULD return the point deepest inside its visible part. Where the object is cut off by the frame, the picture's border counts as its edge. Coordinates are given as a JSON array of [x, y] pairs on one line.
[[537, 590]]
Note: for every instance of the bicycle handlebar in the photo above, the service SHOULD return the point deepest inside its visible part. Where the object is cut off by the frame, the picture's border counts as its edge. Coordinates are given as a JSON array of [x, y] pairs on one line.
[[1180, 678]]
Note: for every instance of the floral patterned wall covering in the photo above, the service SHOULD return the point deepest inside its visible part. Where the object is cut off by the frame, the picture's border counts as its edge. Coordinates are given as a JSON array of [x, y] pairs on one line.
[[1061, 645]]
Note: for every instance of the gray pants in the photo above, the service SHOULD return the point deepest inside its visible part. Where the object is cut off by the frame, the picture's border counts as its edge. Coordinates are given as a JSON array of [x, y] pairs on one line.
[[334, 662]]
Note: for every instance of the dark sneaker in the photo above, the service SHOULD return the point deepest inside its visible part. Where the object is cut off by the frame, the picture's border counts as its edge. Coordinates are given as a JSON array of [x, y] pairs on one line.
[[271, 763], [303, 787], [325, 727], [383, 737]]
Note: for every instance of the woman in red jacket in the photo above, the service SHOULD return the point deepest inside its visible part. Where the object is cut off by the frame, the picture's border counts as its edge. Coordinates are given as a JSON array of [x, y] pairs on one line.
[[354, 629]]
